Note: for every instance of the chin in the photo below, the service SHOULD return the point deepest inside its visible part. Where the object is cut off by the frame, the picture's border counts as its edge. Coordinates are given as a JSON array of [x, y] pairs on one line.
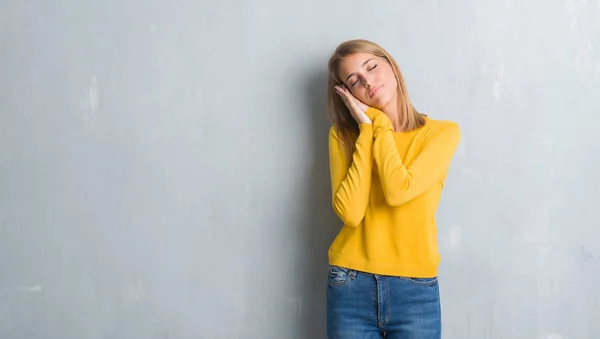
[[380, 101]]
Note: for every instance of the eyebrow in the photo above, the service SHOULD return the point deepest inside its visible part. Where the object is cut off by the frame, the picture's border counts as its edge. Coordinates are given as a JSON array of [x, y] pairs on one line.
[[363, 64]]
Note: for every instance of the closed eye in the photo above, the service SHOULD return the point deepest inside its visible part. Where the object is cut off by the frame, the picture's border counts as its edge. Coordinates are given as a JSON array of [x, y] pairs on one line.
[[368, 70]]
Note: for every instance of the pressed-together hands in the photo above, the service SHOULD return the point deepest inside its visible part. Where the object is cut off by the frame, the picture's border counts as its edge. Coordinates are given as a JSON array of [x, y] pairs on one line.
[[357, 108]]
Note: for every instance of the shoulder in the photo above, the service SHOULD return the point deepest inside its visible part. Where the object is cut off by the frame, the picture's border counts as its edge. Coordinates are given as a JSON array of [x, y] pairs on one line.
[[333, 132], [440, 126], [335, 135], [337, 132]]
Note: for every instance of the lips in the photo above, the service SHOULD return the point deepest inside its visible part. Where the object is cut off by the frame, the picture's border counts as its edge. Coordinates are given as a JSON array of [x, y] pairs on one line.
[[374, 91]]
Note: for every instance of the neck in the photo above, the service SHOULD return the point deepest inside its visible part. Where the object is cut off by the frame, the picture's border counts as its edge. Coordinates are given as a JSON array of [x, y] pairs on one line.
[[391, 110]]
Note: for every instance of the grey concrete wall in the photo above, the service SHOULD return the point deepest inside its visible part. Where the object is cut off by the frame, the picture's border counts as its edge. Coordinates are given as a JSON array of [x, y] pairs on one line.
[[164, 171]]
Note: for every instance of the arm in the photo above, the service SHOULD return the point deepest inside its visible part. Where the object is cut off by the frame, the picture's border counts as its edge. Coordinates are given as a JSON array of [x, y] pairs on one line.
[[351, 182], [400, 183]]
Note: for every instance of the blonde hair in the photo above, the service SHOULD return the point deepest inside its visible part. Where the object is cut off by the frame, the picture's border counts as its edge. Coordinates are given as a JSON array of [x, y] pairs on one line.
[[337, 111]]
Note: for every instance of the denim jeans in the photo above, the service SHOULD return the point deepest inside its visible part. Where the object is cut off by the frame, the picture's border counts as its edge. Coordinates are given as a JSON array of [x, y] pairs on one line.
[[368, 306]]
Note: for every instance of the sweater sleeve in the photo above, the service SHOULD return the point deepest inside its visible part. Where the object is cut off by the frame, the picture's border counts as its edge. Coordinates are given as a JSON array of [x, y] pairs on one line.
[[351, 181], [401, 183]]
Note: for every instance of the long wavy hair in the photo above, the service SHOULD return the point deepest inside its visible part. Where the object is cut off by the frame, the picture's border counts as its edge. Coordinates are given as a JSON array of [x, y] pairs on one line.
[[337, 111]]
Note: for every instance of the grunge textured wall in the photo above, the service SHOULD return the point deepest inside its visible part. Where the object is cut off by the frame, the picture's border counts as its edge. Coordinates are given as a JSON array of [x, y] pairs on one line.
[[164, 169]]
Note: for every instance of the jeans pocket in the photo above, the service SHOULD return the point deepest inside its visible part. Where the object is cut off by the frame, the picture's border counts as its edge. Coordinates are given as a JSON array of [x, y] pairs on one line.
[[423, 281], [338, 276]]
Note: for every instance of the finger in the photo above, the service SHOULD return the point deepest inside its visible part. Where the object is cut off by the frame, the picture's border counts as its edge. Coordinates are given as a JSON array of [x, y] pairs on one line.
[[342, 94], [348, 93]]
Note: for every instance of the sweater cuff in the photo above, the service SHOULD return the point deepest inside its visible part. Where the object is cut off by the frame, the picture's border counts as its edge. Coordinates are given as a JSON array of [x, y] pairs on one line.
[[372, 112], [365, 128]]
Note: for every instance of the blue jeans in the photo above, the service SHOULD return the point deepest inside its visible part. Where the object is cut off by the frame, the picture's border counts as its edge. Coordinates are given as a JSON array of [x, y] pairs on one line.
[[368, 306]]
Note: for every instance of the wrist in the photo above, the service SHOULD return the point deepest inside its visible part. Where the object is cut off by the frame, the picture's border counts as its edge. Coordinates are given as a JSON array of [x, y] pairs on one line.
[[363, 107]]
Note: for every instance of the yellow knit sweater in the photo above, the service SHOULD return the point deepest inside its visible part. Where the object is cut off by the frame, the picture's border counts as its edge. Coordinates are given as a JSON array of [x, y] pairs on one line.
[[388, 194]]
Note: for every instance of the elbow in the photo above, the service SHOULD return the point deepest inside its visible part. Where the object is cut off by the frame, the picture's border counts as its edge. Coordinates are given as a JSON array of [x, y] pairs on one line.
[[398, 192], [394, 202], [393, 198], [349, 216], [352, 220]]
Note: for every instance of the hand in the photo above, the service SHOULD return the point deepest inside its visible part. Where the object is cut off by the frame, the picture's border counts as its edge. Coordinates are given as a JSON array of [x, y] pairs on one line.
[[355, 106]]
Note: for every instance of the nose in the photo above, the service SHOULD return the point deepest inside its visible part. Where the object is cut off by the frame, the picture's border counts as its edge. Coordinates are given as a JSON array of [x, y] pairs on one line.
[[368, 81]]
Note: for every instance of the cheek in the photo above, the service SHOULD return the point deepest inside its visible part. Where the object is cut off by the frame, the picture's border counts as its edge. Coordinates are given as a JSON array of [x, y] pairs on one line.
[[392, 83], [389, 76], [393, 90], [360, 94]]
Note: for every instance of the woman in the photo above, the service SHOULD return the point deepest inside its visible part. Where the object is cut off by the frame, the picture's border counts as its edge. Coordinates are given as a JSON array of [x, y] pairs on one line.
[[388, 166]]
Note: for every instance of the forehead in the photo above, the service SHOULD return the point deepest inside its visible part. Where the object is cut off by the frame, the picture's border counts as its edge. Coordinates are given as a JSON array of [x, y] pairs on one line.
[[353, 63]]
